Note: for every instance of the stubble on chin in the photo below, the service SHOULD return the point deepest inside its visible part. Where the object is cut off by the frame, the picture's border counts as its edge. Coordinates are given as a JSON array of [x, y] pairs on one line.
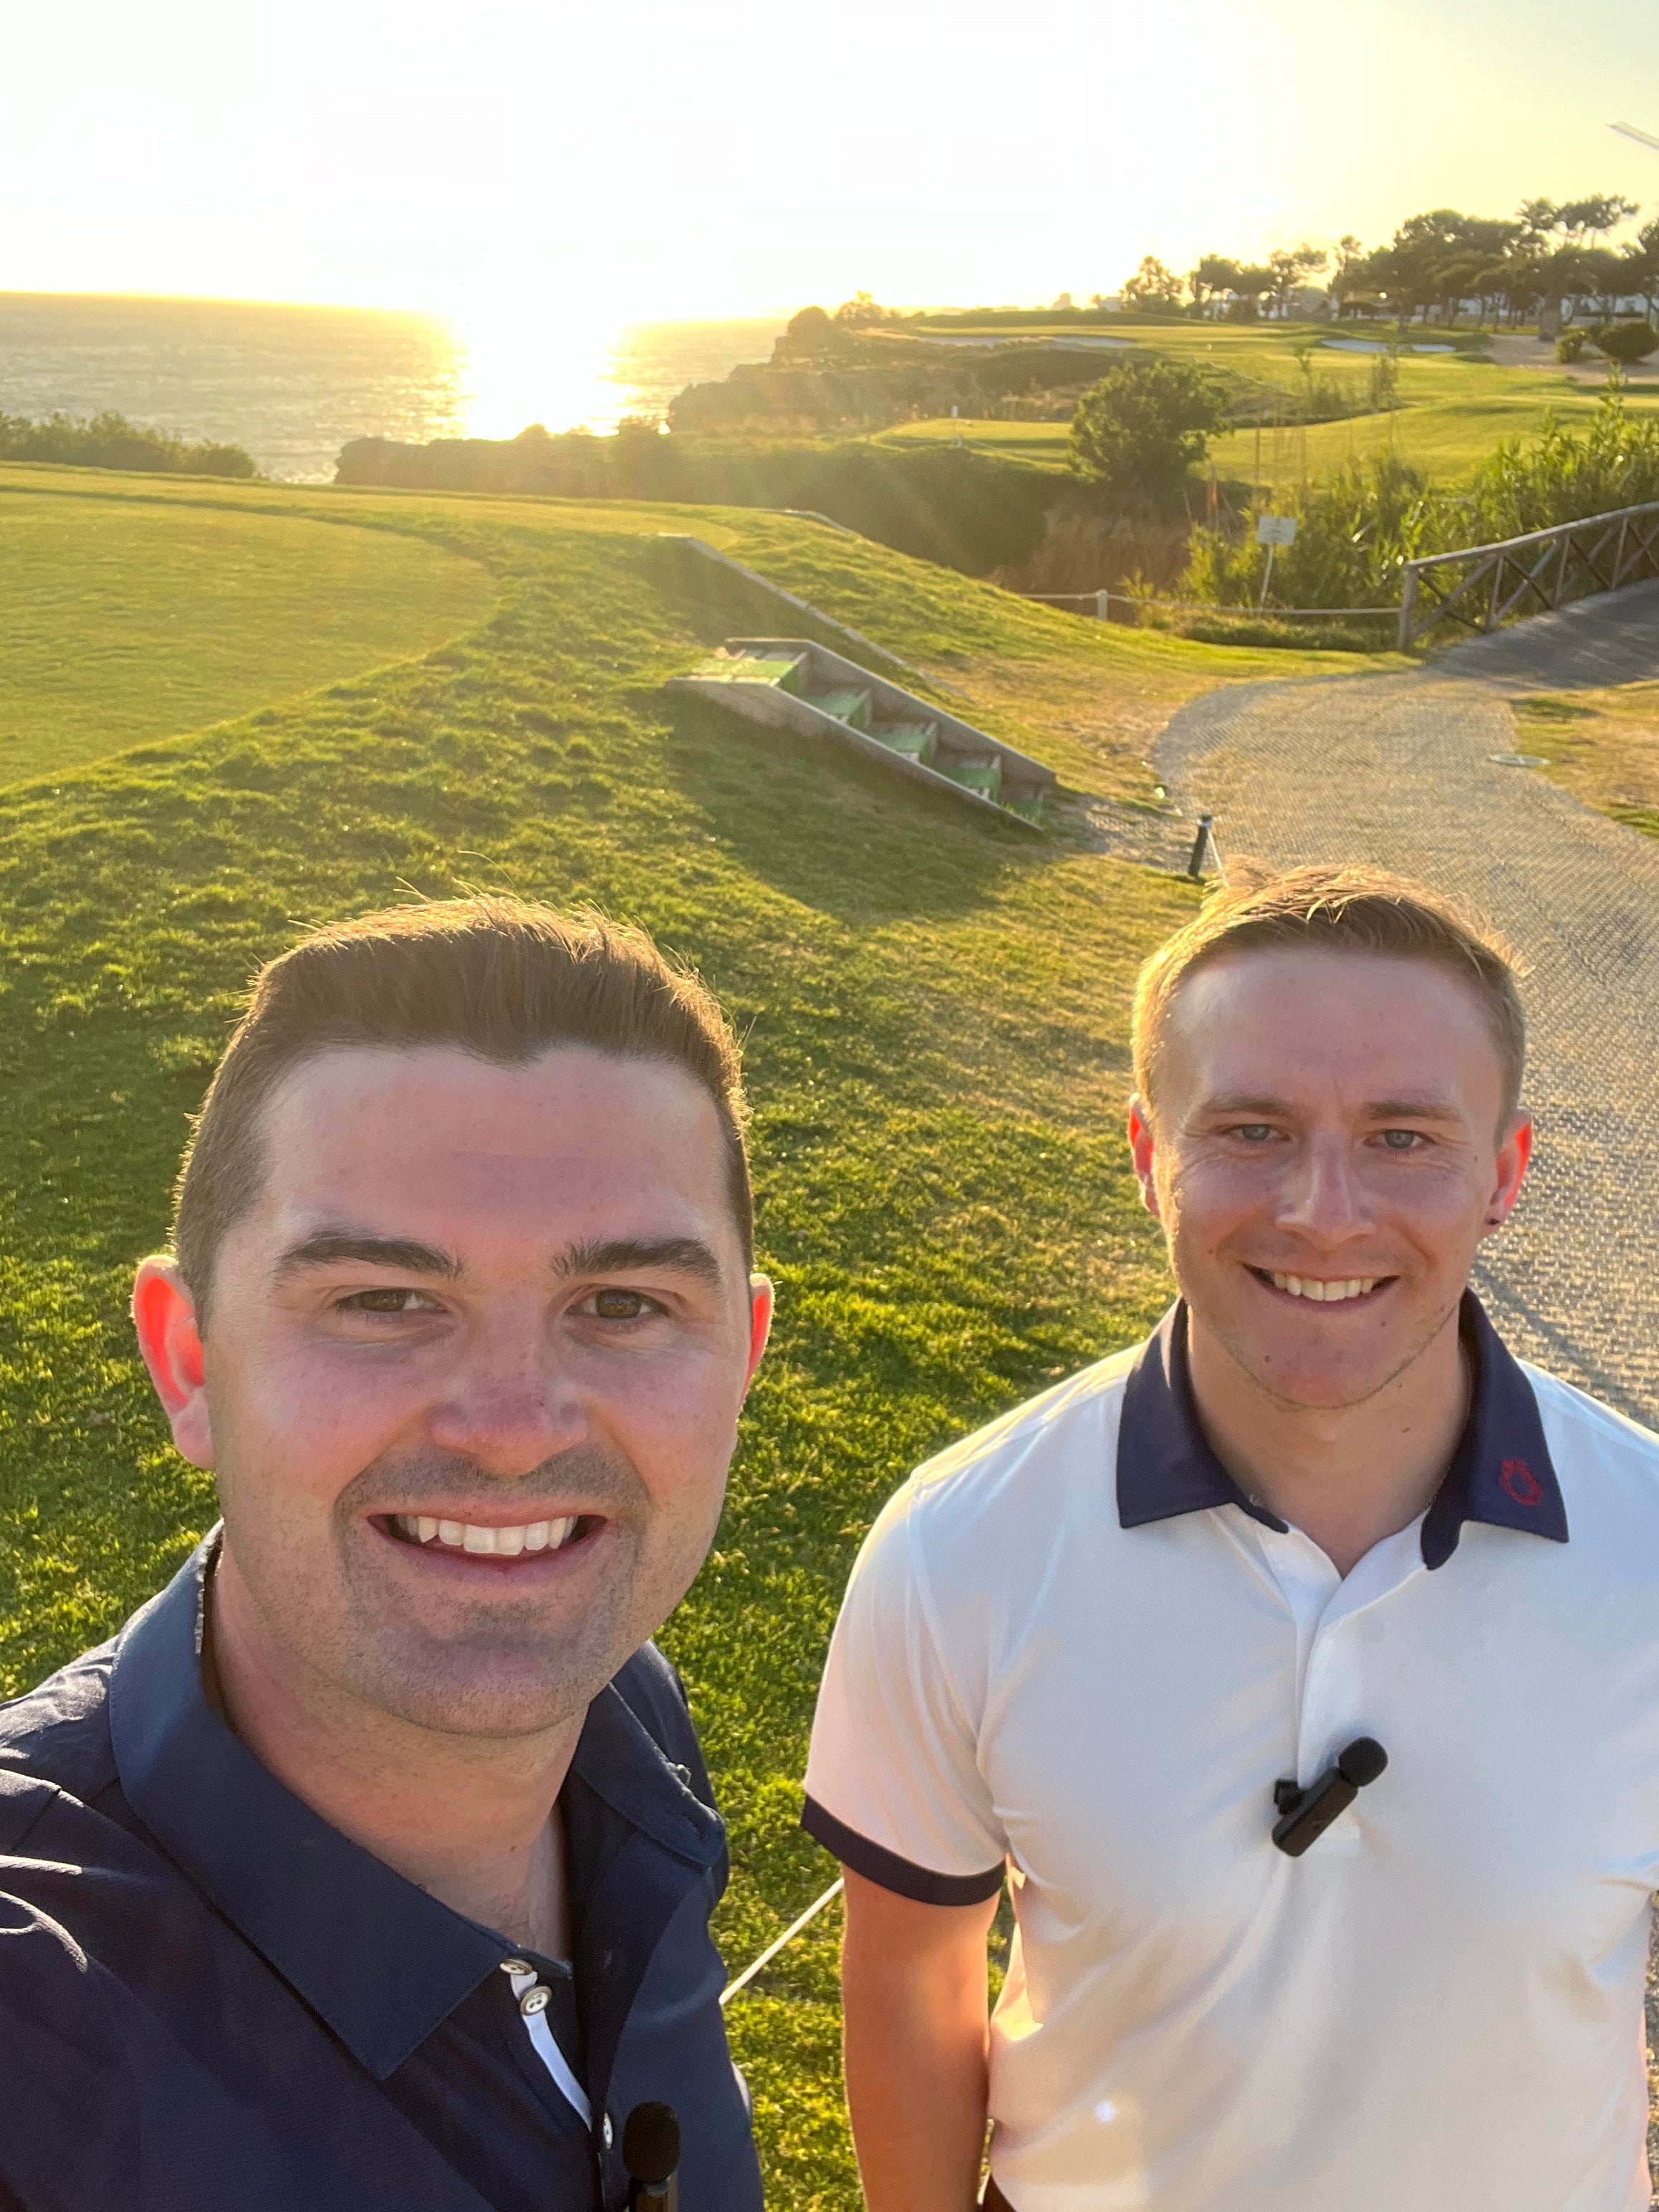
[[342, 1621], [1246, 1354]]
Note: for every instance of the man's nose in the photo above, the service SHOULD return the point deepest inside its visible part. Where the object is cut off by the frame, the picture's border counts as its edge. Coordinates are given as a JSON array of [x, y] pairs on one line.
[[1323, 1194], [508, 1405]]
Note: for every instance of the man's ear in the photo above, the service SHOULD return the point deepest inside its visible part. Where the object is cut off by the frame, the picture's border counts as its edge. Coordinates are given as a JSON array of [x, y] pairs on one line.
[[761, 1298], [164, 1314], [1142, 1145], [1513, 1154]]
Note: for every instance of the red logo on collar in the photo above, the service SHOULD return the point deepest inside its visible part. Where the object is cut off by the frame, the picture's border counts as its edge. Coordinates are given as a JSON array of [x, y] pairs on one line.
[[1521, 1484]]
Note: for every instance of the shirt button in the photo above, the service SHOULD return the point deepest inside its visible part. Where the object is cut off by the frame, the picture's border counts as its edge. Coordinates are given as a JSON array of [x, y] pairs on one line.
[[535, 2001], [608, 2131], [517, 1966]]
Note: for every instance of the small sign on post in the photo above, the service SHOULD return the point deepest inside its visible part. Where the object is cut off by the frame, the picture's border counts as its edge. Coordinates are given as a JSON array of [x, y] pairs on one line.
[[1272, 531]]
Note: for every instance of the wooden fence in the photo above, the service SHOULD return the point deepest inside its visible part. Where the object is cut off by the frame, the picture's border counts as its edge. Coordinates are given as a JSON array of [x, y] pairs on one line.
[[1486, 586]]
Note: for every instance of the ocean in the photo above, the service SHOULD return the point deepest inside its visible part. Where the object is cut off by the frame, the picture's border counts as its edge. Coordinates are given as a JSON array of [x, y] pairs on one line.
[[292, 384]]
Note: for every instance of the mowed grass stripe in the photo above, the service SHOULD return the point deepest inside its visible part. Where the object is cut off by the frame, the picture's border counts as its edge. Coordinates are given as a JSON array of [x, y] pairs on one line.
[[935, 1022]]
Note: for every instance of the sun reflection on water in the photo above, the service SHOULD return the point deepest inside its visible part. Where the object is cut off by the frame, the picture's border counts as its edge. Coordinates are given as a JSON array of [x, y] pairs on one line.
[[523, 365]]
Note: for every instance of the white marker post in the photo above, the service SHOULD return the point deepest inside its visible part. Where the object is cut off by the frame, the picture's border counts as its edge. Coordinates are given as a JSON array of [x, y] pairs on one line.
[[1272, 531]]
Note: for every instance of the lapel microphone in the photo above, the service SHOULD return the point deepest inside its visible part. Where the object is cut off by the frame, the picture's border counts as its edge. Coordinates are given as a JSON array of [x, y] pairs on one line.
[[1304, 1814], [651, 2153]]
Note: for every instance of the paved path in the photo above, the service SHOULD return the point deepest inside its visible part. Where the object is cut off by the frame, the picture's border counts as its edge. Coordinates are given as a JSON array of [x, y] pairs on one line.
[[1398, 769]]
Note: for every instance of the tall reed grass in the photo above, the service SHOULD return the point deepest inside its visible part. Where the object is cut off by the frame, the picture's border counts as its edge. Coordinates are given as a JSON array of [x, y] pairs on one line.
[[1358, 527]]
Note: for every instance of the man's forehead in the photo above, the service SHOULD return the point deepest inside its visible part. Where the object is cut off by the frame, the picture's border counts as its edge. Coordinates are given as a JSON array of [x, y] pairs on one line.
[[450, 1129], [1306, 986], [1287, 1017]]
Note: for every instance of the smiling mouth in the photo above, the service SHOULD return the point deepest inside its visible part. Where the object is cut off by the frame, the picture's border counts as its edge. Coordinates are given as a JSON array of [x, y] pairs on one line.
[[481, 1541], [1342, 1289]]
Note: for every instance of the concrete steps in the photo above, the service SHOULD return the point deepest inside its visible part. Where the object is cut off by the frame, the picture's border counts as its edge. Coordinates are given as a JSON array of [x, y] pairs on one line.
[[804, 687]]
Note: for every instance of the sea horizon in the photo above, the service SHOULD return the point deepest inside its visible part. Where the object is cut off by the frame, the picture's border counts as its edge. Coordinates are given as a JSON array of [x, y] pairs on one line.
[[292, 382]]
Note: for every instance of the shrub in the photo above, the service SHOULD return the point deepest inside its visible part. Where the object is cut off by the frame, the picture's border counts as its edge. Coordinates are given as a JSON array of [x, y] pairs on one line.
[[110, 441], [1354, 531], [1631, 340], [1570, 346], [1560, 477], [1145, 423]]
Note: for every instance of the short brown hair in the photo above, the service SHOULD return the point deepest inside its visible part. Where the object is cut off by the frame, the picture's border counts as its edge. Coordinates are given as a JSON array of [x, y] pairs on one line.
[[1346, 909], [500, 978]]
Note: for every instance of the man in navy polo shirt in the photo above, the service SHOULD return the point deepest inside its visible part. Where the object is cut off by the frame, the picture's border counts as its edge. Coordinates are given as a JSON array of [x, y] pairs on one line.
[[1125, 1648], [371, 1865]]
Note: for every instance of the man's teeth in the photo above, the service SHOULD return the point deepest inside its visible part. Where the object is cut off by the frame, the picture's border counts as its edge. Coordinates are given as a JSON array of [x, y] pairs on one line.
[[1305, 1286], [468, 1536]]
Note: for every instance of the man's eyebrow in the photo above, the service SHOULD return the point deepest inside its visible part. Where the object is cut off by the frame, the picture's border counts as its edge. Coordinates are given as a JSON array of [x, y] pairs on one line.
[[1425, 1108], [331, 1246], [623, 1255], [1414, 1109], [1236, 1102]]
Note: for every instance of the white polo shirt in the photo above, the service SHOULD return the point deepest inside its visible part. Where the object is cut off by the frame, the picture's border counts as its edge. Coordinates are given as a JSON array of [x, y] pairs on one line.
[[1438, 2007]]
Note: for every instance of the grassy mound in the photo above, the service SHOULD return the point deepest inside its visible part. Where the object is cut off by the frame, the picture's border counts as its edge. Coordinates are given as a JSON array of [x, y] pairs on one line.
[[934, 1010], [125, 620]]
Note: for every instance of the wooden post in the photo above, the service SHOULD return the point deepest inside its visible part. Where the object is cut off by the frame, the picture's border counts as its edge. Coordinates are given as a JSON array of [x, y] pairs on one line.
[[1407, 605], [1496, 598]]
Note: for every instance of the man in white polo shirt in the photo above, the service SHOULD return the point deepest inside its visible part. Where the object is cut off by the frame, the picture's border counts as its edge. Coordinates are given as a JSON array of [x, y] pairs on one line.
[[1105, 1643]]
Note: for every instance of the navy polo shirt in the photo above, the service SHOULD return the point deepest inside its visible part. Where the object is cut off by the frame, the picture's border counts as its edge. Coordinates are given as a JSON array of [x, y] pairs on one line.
[[211, 2001]]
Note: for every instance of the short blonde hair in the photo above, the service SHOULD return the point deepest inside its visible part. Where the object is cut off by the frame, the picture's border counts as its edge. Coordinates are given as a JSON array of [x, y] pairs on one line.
[[1340, 910]]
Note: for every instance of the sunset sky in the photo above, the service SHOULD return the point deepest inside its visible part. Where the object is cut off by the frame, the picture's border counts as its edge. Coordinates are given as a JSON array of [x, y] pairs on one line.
[[494, 158]]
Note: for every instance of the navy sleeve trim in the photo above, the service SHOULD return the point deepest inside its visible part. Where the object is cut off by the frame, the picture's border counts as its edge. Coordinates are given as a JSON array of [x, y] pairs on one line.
[[889, 1871]]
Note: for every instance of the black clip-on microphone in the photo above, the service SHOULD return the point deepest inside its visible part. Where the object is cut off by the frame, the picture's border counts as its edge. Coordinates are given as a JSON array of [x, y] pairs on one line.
[[1304, 1814], [651, 2153]]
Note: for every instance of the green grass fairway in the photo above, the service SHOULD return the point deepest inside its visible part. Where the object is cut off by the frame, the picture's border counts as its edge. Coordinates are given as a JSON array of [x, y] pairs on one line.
[[934, 1010], [138, 619], [1456, 409], [1448, 436]]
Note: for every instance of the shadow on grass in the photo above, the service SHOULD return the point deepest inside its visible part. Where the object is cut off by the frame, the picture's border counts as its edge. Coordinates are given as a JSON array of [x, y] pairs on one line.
[[839, 833]]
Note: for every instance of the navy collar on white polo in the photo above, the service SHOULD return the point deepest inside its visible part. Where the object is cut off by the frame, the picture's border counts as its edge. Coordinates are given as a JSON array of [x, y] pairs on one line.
[[1500, 1473]]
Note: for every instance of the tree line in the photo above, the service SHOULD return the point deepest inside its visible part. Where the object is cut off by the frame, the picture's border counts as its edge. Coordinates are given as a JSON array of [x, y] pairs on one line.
[[1547, 256]]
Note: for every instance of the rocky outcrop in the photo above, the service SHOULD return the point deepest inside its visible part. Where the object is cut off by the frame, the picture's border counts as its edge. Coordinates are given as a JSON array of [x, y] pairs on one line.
[[893, 382]]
